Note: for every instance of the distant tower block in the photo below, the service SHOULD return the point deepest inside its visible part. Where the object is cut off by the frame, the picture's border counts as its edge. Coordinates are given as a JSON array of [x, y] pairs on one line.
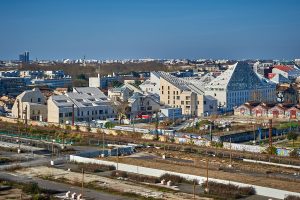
[[84, 64]]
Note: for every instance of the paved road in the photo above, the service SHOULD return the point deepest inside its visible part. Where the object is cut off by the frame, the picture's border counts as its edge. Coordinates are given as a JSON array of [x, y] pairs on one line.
[[60, 187], [35, 162]]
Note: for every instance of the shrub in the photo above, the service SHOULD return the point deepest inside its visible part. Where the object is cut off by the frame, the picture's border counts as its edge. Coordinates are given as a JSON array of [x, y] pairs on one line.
[[119, 174], [96, 167], [142, 178], [109, 125], [292, 197], [31, 188], [229, 190], [170, 177], [135, 177]]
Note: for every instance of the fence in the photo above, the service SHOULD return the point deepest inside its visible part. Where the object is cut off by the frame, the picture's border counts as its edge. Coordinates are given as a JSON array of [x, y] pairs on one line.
[[264, 191], [244, 147]]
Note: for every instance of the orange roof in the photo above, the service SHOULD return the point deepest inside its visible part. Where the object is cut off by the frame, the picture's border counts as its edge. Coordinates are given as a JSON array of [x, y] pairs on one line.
[[283, 68]]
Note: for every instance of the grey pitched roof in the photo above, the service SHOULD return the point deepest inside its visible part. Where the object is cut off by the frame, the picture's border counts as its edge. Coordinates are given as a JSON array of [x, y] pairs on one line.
[[239, 76], [183, 84]]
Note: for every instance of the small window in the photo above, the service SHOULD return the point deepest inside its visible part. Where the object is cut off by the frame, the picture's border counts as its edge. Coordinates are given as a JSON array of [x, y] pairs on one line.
[[39, 99]]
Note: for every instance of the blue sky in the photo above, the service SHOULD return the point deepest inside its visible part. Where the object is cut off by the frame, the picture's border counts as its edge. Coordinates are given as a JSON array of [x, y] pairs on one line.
[[117, 29]]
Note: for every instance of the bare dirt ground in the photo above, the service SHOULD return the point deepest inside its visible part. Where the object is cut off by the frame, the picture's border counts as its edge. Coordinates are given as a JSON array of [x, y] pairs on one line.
[[103, 182], [14, 194], [214, 172]]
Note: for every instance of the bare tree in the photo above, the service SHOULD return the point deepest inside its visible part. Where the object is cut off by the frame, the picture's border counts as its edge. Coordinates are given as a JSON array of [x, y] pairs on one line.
[[122, 108]]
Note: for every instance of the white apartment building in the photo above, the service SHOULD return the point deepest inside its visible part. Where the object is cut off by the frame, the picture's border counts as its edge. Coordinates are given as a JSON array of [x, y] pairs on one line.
[[152, 85], [239, 84], [143, 103], [83, 104], [122, 93]]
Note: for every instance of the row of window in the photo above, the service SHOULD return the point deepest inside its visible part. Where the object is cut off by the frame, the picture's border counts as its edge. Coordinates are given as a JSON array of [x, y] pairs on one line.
[[69, 114]]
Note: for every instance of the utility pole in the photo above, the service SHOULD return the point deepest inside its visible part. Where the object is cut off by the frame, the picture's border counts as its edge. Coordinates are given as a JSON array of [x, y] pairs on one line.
[[230, 155], [82, 181], [270, 137], [207, 189], [254, 135], [133, 129], [73, 114], [118, 158], [210, 131], [103, 154], [156, 124], [52, 150], [194, 188]]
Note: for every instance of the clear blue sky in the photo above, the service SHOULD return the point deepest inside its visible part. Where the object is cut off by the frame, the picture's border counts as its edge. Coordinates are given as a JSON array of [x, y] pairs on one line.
[[117, 29]]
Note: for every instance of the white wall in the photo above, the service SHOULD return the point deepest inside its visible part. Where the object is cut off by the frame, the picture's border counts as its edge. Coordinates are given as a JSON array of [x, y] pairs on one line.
[[264, 191]]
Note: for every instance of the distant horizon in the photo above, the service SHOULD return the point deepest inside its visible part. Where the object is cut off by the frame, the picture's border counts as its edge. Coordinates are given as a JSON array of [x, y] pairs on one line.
[[117, 30], [123, 59]]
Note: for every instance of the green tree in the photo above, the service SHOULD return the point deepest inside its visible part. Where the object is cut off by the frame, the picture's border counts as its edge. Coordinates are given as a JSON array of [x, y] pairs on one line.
[[81, 77], [272, 150], [292, 136], [108, 125]]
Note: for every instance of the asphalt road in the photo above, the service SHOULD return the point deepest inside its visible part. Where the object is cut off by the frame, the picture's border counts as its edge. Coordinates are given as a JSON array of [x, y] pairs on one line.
[[60, 187]]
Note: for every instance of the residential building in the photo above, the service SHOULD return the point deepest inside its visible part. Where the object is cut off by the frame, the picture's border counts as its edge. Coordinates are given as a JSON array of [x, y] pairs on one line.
[[290, 72], [239, 84], [278, 78], [83, 104], [12, 86], [122, 93], [265, 110], [30, 105], [52, 83], [152, 85], [187, 95], [12, 73], [172, 113], [142, 104], [102, 82], [287, 94]]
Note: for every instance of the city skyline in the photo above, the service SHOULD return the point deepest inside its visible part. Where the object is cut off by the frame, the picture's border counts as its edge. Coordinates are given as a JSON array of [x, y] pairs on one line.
[[133, 29]]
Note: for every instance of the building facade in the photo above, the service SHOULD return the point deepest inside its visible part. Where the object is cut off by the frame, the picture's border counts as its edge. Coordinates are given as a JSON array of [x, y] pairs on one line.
[[12, 86], [83, 104], [180, 93], [239, 84], [30, 105]]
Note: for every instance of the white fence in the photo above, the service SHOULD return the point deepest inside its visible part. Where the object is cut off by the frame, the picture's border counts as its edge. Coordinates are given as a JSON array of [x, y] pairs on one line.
[[244, 147], [264, 191]]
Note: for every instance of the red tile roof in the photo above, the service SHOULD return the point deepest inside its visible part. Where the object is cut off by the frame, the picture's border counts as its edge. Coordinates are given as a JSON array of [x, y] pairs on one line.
[[283, 68]]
